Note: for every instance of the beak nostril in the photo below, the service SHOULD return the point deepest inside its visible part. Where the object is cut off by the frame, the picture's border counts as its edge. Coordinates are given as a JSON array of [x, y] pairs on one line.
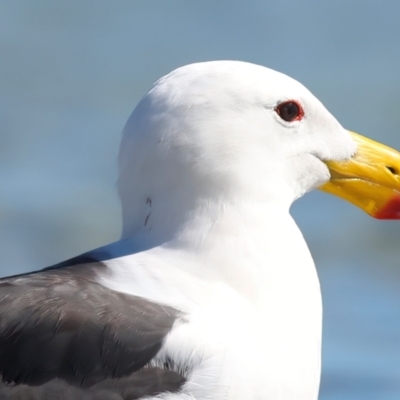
[[392, 170]]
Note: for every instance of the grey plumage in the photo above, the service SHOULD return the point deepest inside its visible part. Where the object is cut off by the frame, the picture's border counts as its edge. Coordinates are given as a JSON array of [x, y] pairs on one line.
[[145, 382], [61, 323]]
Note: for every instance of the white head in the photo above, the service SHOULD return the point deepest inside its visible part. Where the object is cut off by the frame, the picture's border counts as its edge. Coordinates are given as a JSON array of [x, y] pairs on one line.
[[211, 133]]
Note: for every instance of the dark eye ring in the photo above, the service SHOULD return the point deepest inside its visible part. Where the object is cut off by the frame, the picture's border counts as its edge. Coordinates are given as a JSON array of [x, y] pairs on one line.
[[290, 111]]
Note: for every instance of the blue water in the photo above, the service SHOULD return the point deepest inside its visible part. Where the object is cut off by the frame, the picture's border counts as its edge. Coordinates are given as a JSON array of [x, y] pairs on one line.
[[72, 71]]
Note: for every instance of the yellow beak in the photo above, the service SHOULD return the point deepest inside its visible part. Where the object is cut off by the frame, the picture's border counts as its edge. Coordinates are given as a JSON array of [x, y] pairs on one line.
[[369, 180]]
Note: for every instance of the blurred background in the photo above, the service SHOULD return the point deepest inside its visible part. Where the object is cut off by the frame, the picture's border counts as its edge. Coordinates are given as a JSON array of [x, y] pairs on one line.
[[70, 74]]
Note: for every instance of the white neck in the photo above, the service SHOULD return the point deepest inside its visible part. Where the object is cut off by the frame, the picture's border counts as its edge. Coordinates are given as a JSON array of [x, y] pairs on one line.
[[235, 240]]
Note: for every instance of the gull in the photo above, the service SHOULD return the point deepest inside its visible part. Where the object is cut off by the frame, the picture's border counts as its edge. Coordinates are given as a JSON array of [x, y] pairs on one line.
[[211, 292]]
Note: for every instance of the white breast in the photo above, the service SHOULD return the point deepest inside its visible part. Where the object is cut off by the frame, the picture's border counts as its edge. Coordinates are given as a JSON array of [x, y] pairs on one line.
[[253, 323]]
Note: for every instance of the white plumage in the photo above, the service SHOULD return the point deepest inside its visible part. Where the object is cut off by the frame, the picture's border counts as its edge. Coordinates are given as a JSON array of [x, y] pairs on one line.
[[208, 171]]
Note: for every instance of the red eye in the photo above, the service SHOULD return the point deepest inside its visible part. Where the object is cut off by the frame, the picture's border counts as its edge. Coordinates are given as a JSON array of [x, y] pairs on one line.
[[290, 111]]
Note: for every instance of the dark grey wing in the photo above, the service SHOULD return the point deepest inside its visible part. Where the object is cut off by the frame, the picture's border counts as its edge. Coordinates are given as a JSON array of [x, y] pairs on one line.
[[146, 382], [60, 323]]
